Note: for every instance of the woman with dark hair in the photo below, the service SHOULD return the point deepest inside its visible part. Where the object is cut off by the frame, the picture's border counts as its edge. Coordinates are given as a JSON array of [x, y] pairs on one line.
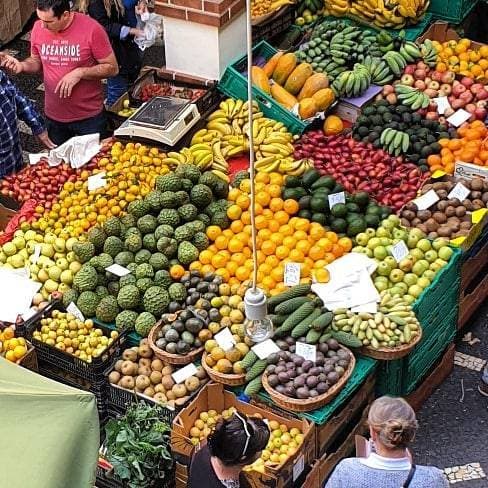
[[118, 19], [235, 443]]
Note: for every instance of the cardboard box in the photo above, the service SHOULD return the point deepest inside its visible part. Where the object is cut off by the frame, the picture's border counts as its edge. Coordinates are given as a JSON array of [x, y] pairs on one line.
[[350, 108], [440, 31], [13, 17], [213, 396], [8, 208]]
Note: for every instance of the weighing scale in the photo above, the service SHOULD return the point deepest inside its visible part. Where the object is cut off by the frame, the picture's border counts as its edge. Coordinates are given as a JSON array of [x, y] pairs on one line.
[[162, 119]]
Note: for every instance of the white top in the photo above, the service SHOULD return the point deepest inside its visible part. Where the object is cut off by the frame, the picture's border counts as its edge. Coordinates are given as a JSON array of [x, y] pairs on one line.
[[376, 461]]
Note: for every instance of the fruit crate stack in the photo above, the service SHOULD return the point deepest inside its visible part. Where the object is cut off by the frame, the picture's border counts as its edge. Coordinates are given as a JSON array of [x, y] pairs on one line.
[[437, 311], [454, 11]]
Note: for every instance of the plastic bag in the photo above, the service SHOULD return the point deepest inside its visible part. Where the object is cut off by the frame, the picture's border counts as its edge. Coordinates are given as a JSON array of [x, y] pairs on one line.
[[152, 25]]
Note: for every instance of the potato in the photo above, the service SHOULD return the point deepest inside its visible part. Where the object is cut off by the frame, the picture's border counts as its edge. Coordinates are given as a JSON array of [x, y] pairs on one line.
[[127, 382], [142, 382], [130, 355], [157, 365], [149, 391], [118, 365], [114, 377], [155, 377], [144, 371], [128, 368]]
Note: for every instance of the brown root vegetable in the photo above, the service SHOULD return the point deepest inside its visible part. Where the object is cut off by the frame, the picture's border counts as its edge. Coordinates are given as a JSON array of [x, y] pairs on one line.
[[114, 377], [431, 225], [450, 211], [424, 215], [476, 184], [477, 204], [439, 217], [460, 211], [442, 205]]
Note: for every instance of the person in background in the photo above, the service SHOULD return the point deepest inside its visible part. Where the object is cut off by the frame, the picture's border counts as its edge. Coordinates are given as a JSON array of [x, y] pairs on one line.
[[74, 54], [14, 104], [392, 426], [118, 18], [233, 444], [483, 384]]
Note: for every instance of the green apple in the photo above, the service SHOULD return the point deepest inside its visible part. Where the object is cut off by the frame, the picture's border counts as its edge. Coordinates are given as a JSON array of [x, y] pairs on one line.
[[373, 242], [424, 245], [47, 250], [409, 299], [430, 256], [9, 248], [370, 232], [429, 274], [400, 234], [50, 286], [70, 242], [62, 263], [54, 273], [59, 245], [17, 261], [383, 232], [19, 233], [362, 239], [419, 268], [63, 287], [406, 264], [435, 266], [384, 269], [29, 235], [42, 276], [74, 266], [396, 290], [417, 254], [381, 285], [385, 241], [423, 282], [395, 220], [357, 249], [410, 279], [50, 238], [444, 252], [403, 285], [67, 277], [441, 262], [3, 257], [439, 243], [390, 260], [387, 224], [415, 290], [18, 242], [368, 252], [380, 252], [396, 275]]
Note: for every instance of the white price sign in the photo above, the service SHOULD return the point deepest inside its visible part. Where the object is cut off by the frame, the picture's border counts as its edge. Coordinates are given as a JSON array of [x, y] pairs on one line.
[[298, 467], [117, 270], [307, 351], [426, 200], [469, 171], [96, 181], [37, 253], [184, 373], [399, 251], [265, 349], [292, 274], [459, 191], [336, 198], [224, 339], [75, 311], [442, 104], [459, 117]]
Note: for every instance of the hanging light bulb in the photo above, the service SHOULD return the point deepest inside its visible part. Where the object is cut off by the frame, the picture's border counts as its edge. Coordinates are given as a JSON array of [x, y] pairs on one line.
[[257, 325]]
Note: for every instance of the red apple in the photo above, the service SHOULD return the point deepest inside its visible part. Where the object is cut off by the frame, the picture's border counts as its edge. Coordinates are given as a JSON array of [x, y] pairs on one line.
[[387, 89], [458, 103], [458, 89], [432, 106], [431, 93], [436, 76], [420, 84], [391, 98], [433, 85], [467, 81], [407, 80], [409, 69], [431, 115], [427, 80], [480, 113], [451, 98], [448, 77], [476, 87], [482, 94], [419, 74], [470, 107], [422, 65], [467, 96], [445, 89]]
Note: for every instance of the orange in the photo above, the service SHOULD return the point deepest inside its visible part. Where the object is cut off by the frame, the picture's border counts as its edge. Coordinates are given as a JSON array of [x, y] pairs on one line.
[[273, 261], [329, 257], [176, 271], [265, 268], [227, 233], [276, 204], [261, 222], [286, 230], [316, 252], [262, 177], [291, 206], [345, 243], [289, 242], [221, 242], [337, 250], [273, 225], [234, 194], [243, 237], [235, 245], [300, 235], [268, 282], [325, 244], [316, 231], [219, 260], [263, 198], [321, 263], [276, 237], [321, 275], [274, 190], [243, 201], [196, 265], [303, 246], [264, 234], [245, 185], [302, 224], [224, 273], [268, 247], [236, 226], [296, 256], [234, 212], [261, 256], [281, 217], [205, 256], [246, 217], [268, 214], [238, 258], [207, 268], [258, 209], [434, 159], [277, 273], [332, 236], [213, 231], [276, 179], [242, 273]]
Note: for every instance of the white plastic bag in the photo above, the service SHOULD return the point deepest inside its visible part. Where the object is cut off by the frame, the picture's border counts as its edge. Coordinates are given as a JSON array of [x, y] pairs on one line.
[[152, 25]]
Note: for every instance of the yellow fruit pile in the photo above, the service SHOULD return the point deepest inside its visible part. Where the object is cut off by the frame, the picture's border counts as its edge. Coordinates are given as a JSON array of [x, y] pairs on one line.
[[130, 173], [12, 348], [281, 238]]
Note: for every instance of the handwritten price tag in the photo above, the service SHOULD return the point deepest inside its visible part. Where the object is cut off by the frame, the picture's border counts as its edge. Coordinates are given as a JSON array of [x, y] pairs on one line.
[[184, 373], [75, 311], [292, 274], [336, 198], [399, 251], [442, 104], [224, 339], [298, 467], [469, 171], [459, 191], [307, 351], [96, 181], [117, 270], [459, 117], [426, 200], [265, 349]]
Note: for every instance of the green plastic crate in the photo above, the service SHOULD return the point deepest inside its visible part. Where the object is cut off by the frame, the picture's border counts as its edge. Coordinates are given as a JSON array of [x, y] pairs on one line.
[[133, 338], [234, 84], [454, 11], [364, 367]]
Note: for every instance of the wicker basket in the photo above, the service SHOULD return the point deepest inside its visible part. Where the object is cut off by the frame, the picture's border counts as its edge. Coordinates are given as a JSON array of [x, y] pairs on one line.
[[300, 405], [225, 379], [167, 357], [29, 361], [391, 353]]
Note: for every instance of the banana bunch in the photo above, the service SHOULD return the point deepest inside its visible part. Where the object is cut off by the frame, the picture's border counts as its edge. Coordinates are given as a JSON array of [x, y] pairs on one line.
[[410, 51], [394, 141], [429, 53], [352, 83], [412, 97], [379, 70], [396, 62], [337, 8]]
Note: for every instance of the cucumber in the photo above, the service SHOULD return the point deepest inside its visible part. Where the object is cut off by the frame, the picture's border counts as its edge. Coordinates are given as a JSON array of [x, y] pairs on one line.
[[313, 336], [325, 337], [323, 321], [297, 316], [304, 326], [256, 369], [294, 291], [291, 305], [249, 359], [254, 386], [277, 319], [346, 339]]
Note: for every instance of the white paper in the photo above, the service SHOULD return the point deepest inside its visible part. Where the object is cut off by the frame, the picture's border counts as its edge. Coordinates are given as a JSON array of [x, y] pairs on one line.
[[459, 117], [265, 349], [298, 467], [442, 104], [117, 270], [426, 200], [336, 198], [292, 274], [97, 181], [76, 151], [29, 313], [37, 253], [469, 171], [459, 191], [184, 373], [75, 311], [399, 251], [224, 339], [35, 158], [307, 351], [371, 307]]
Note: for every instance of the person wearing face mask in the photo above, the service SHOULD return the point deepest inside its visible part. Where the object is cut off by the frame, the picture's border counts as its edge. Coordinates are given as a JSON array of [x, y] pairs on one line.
[[74, 54], [392, 426], [235, 443], [118, 19]]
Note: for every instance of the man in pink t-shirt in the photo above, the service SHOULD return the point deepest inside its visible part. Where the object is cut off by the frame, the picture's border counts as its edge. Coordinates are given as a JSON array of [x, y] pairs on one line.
[[74, 53]]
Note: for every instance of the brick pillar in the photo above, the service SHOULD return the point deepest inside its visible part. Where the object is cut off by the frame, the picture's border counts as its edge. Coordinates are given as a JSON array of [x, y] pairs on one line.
[[202, 36]]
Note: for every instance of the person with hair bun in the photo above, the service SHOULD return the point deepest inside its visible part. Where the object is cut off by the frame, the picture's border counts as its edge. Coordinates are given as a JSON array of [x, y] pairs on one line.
[[234, 443], [392, 426]]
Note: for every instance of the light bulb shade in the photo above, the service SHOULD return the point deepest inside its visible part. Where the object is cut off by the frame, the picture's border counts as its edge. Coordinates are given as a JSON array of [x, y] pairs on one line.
[[255, 304]]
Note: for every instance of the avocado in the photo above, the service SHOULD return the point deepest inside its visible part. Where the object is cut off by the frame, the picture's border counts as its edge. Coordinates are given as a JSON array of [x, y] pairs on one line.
[[304, 202], [372, 220], [338, 210], [309, 177], [324, 181], [292, 181], [355, 227], [304, 214], [320, 218], [188, 337], [338, 225], [363, 131], [361, 199], [319, 203]]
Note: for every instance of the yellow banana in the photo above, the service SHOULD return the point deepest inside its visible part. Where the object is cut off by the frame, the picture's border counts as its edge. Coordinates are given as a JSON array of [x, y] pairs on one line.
[[221, 175], [218, 114]]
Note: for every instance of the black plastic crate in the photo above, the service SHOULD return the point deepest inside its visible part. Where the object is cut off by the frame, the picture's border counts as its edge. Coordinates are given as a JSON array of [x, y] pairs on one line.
[[94, 371], [22, 326], [274, 25]]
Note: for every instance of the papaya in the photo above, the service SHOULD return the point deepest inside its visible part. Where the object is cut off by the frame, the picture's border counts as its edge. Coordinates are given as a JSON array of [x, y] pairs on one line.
[[298, 78], [324, 98], [282, 96], [333, 125], [313, 84], [285, 65], [270, 65], [259, 79], [307, 108]]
